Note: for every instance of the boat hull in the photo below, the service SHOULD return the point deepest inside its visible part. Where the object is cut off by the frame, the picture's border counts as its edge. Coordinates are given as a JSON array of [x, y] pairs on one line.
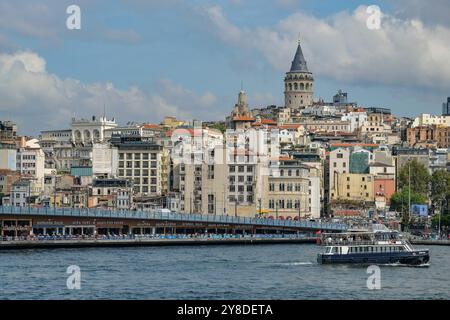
[[413, 258]]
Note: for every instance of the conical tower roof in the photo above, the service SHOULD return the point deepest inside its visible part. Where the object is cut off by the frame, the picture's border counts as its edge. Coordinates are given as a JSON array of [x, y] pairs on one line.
[[299, 63]]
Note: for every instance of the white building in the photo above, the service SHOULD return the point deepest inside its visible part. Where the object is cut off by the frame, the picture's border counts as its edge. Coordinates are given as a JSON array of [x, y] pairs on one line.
[[356, 119], [21, 193], [320, 111], [91, 131], [31, 163], [76, 147], [428, 119]]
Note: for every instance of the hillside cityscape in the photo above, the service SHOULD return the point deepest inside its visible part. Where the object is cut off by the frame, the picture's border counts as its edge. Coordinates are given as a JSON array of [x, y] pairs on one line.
[[306, 160]]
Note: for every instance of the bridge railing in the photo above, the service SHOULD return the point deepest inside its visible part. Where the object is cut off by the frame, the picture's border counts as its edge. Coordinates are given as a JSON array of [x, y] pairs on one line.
[[145, 215]]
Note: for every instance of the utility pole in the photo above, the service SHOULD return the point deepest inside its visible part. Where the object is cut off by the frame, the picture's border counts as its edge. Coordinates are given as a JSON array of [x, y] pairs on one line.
[[259, 207], [409, 192], [440, 211], [276, 208]]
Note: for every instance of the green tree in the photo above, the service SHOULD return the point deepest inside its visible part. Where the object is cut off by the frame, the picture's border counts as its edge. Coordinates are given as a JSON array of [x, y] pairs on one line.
[[418, 174], [445, 221], [400, 200], [440, 184], [218, 126]]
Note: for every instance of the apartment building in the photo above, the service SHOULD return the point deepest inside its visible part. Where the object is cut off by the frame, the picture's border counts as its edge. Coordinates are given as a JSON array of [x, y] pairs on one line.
[[145, 164], [354, 187], [111, 193], [293, 190], [30, 163]]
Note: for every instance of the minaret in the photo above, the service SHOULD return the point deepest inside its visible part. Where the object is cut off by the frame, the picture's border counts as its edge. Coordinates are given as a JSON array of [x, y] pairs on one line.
[[298, 83]]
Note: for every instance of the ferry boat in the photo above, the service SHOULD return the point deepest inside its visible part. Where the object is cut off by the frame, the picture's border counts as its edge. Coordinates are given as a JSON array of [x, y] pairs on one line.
[[379, 246]]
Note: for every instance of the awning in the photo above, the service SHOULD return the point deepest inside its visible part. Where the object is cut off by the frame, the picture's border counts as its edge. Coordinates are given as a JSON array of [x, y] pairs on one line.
[[48, 226]]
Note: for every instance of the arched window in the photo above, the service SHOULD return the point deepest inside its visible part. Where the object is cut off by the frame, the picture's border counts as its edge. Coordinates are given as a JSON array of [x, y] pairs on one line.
[[296, 86], [290, 86], [87, 135], [96, 135], [302, 86]]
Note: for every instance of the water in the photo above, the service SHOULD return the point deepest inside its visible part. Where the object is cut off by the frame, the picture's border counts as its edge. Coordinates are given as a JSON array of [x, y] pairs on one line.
[[204, 272]]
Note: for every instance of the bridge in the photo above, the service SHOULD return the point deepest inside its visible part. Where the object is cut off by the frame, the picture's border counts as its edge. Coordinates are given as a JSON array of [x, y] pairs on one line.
[[131, 221]]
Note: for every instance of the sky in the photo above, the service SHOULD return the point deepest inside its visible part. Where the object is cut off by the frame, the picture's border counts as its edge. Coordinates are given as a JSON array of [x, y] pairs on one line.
[[141, 60]]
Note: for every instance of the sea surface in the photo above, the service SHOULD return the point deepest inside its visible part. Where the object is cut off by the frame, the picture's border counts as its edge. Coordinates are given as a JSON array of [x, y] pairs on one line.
[[211, 272]]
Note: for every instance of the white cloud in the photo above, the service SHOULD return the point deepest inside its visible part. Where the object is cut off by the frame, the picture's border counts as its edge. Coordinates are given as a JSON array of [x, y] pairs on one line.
[[402, 53], [45, 21], [38, 100], [431, 12]]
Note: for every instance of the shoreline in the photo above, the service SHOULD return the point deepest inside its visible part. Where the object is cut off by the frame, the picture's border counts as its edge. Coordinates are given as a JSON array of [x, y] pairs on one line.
[[92, 243], [55, 244], [431, 242]]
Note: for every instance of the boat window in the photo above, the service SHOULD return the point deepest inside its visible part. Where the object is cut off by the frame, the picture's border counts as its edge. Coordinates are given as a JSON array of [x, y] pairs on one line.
[[335, 249], [329, 249]]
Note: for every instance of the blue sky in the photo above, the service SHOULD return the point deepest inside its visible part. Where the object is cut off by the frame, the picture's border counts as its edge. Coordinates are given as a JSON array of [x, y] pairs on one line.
[[146, 59]]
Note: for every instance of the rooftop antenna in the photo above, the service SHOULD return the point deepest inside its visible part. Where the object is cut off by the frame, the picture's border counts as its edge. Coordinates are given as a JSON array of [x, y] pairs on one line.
[[242, 85], [298, 39]]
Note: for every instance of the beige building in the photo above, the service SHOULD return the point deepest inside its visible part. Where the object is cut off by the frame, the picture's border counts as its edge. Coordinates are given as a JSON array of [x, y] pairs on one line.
[[293, 190], [147, 165], [376, 130], [327, 126], [428, 120], [339, 163], [354, 187]]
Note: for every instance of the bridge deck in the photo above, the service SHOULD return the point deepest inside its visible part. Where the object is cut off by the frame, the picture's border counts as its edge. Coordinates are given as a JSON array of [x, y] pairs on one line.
[[144, 215]]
